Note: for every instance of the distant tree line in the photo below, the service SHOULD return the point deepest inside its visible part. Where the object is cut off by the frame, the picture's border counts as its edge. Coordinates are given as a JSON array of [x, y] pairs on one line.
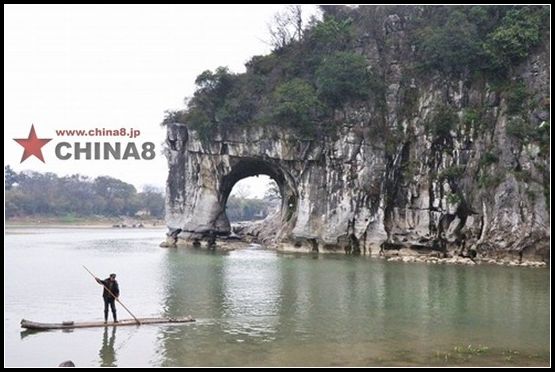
[[240, 207], [46, 194], [246, 209]]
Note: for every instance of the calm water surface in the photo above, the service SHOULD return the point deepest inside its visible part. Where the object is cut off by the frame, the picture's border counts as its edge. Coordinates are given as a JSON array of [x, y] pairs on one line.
[[255, 307]]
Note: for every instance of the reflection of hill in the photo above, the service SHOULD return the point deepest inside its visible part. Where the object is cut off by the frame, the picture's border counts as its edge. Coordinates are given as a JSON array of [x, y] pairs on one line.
[[193, 286], [254, 307]]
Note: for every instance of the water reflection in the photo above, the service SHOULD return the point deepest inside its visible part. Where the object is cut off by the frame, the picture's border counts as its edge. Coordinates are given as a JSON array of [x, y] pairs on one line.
[[251, 294], [193, 286], [107, 352], [28, 332], [256, 307]]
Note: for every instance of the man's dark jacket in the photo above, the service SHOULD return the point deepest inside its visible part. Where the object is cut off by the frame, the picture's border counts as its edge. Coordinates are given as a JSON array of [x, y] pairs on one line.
[[112, 286]]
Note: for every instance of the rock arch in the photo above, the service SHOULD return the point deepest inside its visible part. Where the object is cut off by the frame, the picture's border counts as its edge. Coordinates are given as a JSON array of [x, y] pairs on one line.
[[248, 167], [330, 195]]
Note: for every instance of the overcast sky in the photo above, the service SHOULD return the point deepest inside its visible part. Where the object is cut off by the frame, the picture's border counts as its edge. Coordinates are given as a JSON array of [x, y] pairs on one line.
[[116, 66]]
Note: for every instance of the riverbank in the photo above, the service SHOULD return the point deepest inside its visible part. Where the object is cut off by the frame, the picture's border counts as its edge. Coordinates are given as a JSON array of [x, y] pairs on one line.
[[85, 222], [399, 255], [264, 232], [408, 255]]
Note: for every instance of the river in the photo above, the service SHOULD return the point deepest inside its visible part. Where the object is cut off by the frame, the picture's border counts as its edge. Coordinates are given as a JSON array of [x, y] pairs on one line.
[[256, 307]]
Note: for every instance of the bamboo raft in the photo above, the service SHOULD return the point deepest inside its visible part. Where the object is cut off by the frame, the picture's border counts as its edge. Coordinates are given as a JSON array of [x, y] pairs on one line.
[[28, 324]]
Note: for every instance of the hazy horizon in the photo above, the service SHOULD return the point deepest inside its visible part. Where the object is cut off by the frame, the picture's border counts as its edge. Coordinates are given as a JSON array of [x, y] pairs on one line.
[[63, 71]]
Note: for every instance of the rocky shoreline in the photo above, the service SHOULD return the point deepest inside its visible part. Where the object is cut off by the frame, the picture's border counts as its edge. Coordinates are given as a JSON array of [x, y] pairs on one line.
[[404, 255], [411, 256]]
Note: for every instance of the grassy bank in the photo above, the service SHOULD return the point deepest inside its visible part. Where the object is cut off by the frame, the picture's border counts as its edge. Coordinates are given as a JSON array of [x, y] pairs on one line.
[[96, 221]]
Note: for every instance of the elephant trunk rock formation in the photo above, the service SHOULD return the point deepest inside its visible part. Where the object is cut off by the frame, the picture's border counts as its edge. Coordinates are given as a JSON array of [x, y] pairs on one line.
[[330, 190], [384, 180], [347, 195]]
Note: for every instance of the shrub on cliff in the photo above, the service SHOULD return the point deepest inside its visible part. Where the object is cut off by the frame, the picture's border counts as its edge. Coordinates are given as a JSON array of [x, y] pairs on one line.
[[449, 46], [518, 32], [295, 104], [319, 72], [330, 34], [208, 100], [456, 39], [442, 122], [341, 78]]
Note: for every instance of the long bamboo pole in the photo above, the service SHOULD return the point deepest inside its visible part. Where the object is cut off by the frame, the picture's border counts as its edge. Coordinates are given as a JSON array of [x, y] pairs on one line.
[[117, 299]]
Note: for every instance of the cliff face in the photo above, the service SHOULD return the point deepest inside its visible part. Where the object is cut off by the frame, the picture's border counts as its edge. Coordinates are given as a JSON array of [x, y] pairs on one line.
[[422, 187]]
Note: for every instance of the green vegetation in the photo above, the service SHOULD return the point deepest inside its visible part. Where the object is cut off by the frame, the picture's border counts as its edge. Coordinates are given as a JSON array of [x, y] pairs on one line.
[[46, 194], [343, 78], [518, 32], [298, 86], [530, 194], [205, 108], [295, 102], [247, 209], [316, 70], [516, 97], [489, 177], [74, 198], [523, 176], [409, 100], [470, 349], [488, 158], [524, 132], [518, 128], [454, 198], [451, 45], [451, 174], [487, 181], [473, 118], [442, 122], [476, 355], [458, 39], [546, 182], [331, 34]]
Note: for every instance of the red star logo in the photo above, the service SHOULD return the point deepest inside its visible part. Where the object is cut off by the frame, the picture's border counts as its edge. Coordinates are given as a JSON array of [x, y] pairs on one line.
[[32, 145]]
